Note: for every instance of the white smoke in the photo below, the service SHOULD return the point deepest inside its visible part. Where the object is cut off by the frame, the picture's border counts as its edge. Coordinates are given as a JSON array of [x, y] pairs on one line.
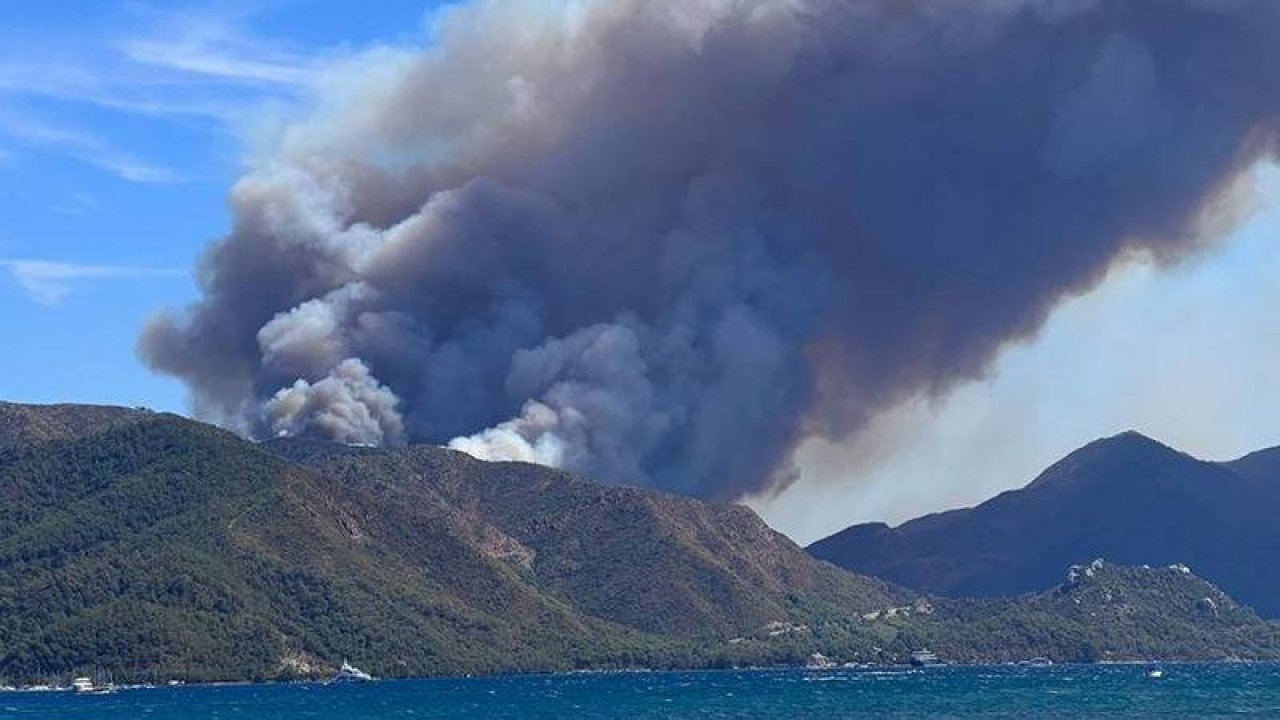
[[348, 406], [595, 409]]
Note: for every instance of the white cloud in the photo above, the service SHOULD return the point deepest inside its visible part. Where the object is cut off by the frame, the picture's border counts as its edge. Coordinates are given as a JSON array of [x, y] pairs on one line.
[[107, 81], [159, 61], [221, 55], [150, 62], [85, 147], [49, 282]]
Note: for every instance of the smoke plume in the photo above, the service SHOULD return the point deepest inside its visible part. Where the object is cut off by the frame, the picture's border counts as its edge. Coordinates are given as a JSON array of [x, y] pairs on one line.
[[662, 241]]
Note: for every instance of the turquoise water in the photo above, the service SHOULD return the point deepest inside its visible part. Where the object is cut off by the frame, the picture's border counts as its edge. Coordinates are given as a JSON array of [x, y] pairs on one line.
[[1200, 691]]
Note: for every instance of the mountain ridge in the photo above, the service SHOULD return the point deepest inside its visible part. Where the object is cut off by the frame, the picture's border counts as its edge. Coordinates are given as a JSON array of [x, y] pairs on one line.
[[165, 545], [1127, 497], [150, 547]]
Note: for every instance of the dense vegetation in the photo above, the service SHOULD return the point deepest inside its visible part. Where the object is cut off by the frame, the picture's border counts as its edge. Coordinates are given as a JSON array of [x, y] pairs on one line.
[[172, 548], [147, 546], [1102, 612]]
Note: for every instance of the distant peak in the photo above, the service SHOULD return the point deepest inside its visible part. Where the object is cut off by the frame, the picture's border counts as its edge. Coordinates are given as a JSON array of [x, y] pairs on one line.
[[1129, 440], [1102, 456], [1131, 436]]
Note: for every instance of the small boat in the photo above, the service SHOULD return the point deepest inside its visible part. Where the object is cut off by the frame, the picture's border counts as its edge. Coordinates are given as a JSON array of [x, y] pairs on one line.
[[85, 686], [1155, 673], [350, 674], [924, 658], [1038, 662]]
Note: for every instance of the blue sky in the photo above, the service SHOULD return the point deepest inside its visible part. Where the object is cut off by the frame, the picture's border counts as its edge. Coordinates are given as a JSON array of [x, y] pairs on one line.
[[122, 127]]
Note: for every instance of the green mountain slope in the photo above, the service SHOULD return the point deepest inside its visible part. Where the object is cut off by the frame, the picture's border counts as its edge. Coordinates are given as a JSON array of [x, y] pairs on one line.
[[1101, 612], [171, 547], [163, 546], [149, 546], [656, 562]]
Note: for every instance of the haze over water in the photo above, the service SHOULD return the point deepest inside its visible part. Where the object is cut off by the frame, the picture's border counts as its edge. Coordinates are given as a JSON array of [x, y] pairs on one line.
[[1203, 691]]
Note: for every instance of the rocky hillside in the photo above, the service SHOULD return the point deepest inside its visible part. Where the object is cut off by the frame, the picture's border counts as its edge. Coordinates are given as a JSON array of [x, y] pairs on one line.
[[656, 562], [149, 546], [160, 545], [165, 546], [1099, 612], [1127, 498]]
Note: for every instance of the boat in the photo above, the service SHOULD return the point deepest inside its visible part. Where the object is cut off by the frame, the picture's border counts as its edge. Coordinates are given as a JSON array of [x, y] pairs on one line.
[[85, 686], [1038, 662], [1155, 673], [924, 658], [349, 673]]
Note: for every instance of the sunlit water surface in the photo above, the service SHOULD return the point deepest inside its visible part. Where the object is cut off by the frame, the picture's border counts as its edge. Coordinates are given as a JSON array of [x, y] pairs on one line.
[[1221, 690]]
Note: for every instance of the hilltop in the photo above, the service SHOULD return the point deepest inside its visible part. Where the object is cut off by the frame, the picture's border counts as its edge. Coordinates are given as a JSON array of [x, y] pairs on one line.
[[1101, 611], [1126, 498], [36, 424]]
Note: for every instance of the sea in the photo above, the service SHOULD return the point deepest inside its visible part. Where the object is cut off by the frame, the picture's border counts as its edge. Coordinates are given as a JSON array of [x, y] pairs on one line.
[[1064, 691]]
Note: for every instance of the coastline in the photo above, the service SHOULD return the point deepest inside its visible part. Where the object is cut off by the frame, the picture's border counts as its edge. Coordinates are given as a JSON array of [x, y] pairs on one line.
[[847, 669]]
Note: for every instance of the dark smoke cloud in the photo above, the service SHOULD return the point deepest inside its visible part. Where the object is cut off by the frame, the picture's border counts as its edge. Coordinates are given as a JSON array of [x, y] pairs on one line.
[[663, 241]]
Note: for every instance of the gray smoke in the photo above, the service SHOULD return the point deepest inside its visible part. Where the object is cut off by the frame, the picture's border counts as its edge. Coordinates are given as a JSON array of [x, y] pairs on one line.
[[662, 241]]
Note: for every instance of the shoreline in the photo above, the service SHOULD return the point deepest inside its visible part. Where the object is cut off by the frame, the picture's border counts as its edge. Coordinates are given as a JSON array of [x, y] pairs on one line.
[[861, 668]]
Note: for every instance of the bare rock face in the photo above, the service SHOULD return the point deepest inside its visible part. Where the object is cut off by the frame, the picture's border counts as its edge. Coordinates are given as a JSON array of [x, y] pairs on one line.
[[303, 665], [1208, 606], [504, 548]]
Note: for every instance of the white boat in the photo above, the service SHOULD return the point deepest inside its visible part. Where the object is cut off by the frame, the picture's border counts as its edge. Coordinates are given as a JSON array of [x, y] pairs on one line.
[[349, 673], [85, 686], [925, 658], [1155, 673]]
